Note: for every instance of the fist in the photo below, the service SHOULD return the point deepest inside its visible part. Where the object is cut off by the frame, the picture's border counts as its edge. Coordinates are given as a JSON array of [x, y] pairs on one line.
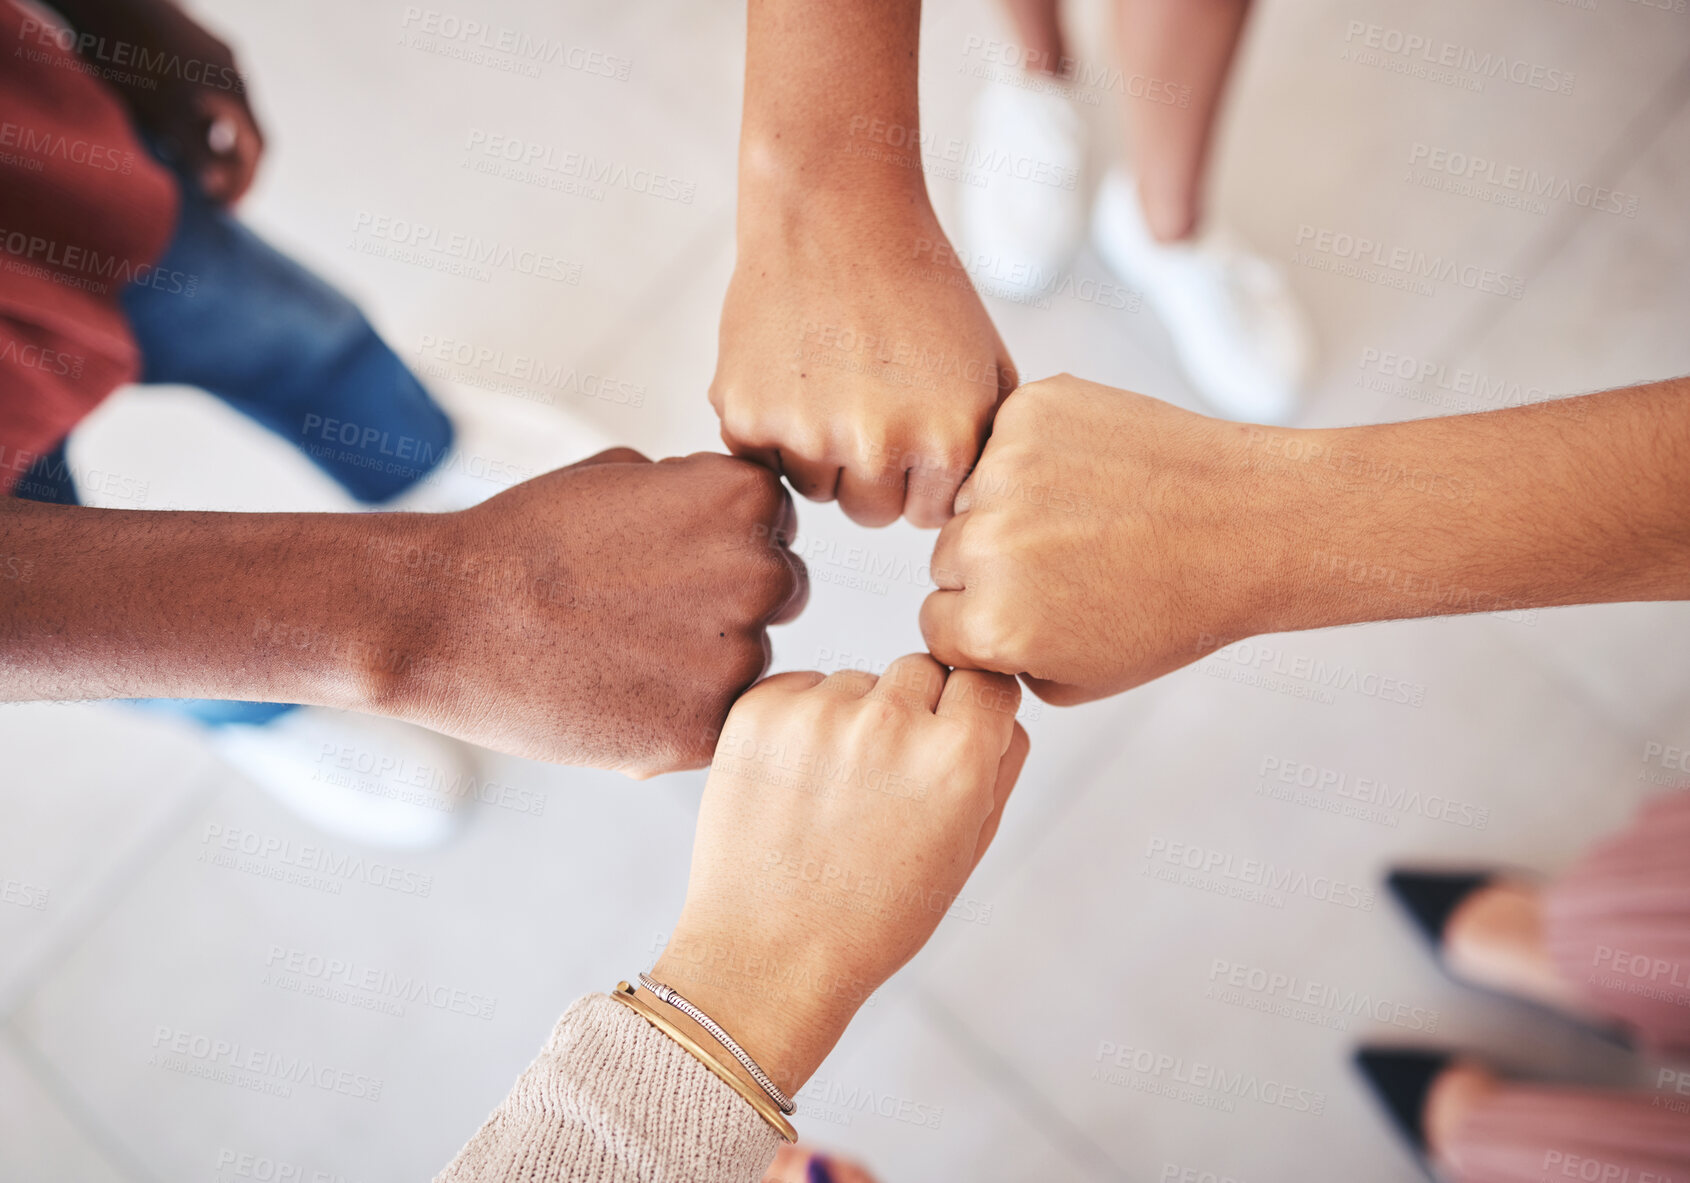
[[1105, 539], [856, 359], [605, 614], [841, 819]]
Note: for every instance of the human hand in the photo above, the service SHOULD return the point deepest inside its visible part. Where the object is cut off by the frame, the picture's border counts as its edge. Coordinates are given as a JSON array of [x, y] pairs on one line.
[[199, 114], [855, 357], [605, 614], [1105, 539], [840, 821]]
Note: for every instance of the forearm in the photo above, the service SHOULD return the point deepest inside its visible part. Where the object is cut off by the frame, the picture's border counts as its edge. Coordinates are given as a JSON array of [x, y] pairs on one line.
[[1572, 502], [824, 79], [271, 607]]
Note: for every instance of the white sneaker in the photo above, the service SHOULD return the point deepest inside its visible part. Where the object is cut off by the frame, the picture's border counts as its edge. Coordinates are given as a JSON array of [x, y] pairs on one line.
[[369, 779], [1241, 335], [1024, 209]]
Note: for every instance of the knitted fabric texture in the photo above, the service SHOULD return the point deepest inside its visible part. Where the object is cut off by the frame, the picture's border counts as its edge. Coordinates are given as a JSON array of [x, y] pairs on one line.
[[611, 1099]]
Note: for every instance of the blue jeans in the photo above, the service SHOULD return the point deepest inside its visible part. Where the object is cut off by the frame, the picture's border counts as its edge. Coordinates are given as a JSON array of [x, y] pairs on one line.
[[288, 351]]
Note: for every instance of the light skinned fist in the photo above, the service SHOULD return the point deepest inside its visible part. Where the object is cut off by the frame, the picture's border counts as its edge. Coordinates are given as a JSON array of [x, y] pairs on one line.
[[855, 357], [1105, 539], [605, 614], [841, 819]]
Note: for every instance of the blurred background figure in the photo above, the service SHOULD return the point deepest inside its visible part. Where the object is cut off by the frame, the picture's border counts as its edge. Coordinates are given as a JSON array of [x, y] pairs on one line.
[[1239, 331], [1607, 941], [1466, 1124], [124, 263]]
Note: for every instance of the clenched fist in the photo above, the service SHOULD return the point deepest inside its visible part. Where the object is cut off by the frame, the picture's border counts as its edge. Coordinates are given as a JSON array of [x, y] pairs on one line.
[[1105, 539], [605, 614], [855, 357], [841, 819]]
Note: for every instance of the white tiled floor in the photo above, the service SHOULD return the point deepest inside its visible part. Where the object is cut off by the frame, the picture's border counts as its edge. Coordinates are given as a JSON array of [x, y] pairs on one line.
[[994, 1034]]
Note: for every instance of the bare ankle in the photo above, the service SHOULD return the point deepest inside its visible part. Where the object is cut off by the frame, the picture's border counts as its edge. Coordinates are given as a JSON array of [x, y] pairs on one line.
[[1169, 219], [1453, 1096], [1495, 939]]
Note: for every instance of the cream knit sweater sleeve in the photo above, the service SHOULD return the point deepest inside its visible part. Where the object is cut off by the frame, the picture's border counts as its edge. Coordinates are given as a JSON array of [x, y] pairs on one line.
[[611, 1099]]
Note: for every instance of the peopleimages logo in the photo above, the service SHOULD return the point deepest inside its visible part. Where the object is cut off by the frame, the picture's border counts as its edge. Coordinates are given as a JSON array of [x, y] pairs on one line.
[[1460, 380], [1667, 980], [1310, 672], [1357, 250], [1372, 44], [1222, 867], [1319, 1003], [229, 1061], [306, 863], [1366, 797], [49, 144], [1197, 1074], [827, 1093], [1527, 182], [75, 266], [409, 241], [474, 39], [382, 986], [89, 48]]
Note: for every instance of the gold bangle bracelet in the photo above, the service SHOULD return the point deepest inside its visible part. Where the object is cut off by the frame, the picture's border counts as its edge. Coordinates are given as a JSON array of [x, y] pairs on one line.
[[756, 1098]]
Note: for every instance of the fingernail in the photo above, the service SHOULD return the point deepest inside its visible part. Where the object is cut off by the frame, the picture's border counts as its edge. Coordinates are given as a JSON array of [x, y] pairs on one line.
[[817, 1171]]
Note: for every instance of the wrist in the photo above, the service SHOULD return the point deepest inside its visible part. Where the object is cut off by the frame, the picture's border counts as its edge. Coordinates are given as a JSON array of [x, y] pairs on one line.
[[876, 164], [785, 1008], [1360, 527], [1267, 520], [393, 612]]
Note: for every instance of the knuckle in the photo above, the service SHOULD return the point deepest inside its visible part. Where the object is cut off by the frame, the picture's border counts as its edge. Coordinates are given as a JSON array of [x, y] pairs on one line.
[[747, 665], [1028, 400], [877, 719], [741, 420], [759, 488], [873, 457], [981, 539], [989, 636], [776, 580], [847, 683], [806, 441], [955, 454], [916, 675]]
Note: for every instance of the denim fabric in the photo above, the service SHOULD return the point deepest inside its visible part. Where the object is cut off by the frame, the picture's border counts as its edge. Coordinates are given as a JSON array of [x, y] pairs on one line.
[[281, 346]]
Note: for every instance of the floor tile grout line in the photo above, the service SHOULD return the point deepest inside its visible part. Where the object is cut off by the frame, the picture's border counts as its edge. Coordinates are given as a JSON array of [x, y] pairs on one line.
[[104, 897], [1644, 129], [117, 1155], [1017, 1089]]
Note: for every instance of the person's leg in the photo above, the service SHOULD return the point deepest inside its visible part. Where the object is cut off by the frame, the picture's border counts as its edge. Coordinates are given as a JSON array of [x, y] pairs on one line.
[[1240, 333], [1481, 1129], [1038, 29], [284, 348], [1189, 45], [1495, 938], [49, 479], [1468, 1125], [1020, 227]]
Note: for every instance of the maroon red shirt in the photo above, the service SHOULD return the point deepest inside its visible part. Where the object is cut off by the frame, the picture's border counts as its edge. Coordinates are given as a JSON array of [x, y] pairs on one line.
[[84, 210]]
